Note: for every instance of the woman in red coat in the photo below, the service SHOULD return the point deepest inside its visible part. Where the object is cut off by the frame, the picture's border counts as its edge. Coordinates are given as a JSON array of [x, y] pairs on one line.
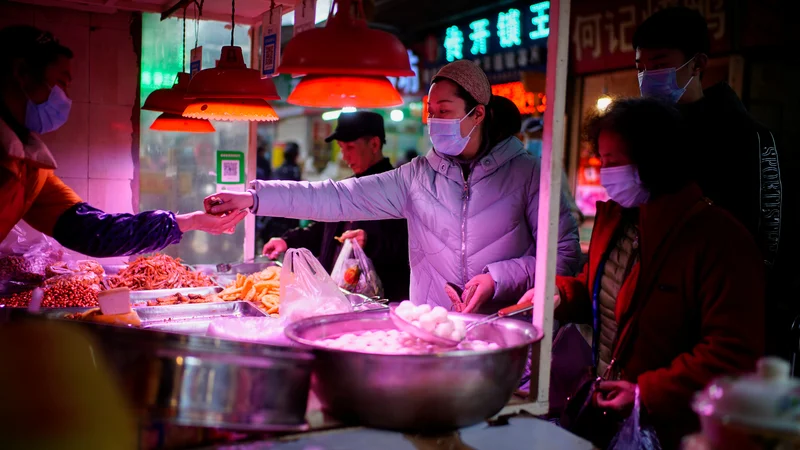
[[679, 278]]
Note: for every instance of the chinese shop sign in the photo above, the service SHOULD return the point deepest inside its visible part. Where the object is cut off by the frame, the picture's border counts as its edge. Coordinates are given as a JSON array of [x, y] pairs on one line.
[[602, 32]]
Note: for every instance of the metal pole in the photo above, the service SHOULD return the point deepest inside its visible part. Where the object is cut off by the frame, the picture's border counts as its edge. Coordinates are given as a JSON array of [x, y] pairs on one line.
[[550, 197]]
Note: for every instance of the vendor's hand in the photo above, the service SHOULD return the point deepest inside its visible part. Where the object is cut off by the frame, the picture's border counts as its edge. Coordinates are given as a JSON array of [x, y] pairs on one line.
[[274, 248], [199, 220], [226, 202], [616, 395], [484, 291], [528, 299], [359, 235]]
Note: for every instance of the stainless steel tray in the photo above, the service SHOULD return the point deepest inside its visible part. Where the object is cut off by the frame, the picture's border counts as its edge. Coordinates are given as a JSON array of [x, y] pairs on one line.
[[193, 318]]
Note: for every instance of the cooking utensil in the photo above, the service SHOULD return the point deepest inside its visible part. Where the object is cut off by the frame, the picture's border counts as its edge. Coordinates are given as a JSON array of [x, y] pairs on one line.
[[201, 381], [426, 336], [424, 393]]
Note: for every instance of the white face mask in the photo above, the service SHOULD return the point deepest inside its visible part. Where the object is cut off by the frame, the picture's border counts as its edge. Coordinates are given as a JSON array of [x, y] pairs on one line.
[[50, 115], [446, 136], [624, 186]]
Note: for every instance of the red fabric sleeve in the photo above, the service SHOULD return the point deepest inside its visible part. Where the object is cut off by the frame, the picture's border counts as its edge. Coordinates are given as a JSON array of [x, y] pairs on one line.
[[730, 289], [576, 304]]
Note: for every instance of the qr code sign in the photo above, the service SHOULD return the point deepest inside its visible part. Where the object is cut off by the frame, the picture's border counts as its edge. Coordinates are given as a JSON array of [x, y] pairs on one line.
[[269, 58], [230, 171]]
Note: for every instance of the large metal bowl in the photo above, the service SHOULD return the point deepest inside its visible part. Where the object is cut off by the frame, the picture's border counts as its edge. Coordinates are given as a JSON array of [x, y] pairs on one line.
[[201, 381], [422, 393]]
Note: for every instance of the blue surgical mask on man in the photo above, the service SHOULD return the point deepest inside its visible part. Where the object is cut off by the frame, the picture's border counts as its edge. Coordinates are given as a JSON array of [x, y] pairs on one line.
[[623, 185], [663, 83], [446, 135], [50, 115], [534, 147]]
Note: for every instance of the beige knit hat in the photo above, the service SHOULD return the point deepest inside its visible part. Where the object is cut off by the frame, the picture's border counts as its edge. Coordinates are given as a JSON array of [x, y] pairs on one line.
[[469, 76]]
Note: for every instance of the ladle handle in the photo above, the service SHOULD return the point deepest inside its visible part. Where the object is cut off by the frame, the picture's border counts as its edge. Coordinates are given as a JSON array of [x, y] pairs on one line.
[[515, 309]]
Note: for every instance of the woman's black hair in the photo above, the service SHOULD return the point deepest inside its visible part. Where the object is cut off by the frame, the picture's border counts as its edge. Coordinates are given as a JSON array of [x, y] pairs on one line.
[[656, 139], [499, 116], [38, 49]]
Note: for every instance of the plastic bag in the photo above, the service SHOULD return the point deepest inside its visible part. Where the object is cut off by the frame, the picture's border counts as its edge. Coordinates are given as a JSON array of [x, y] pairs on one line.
[[634, 436], [354, 271], [307, 290], [263, 330], [24, 259]]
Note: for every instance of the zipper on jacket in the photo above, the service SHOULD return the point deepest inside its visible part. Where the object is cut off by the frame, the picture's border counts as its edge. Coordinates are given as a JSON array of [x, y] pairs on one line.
[[464, 200]]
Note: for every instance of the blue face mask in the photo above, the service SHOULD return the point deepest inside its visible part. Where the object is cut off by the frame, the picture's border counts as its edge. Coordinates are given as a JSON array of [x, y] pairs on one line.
[[50, 115], [534, 146], [446, 135], [663, 83]]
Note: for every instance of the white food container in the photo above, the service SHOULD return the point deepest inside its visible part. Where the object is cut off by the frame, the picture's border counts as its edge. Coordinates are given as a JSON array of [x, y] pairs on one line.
[[752, 412]]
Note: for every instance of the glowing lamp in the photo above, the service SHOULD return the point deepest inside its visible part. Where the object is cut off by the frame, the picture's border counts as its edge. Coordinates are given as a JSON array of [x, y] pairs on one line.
[[603, 103], [172, 103], [231, 91], [256, 110], [337, 91], [346, 46], [178, 123]]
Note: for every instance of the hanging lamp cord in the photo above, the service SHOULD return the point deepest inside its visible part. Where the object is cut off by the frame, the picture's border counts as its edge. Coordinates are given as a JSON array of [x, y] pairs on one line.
[[183, 45], [233, 19]]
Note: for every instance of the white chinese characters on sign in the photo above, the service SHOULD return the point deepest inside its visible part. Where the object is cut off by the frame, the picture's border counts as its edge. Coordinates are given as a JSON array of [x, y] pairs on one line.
[[479, 36], [509, 28], [454, 44]]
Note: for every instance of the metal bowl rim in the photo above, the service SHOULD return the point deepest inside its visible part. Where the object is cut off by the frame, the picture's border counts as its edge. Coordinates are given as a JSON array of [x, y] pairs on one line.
[[292, 329]]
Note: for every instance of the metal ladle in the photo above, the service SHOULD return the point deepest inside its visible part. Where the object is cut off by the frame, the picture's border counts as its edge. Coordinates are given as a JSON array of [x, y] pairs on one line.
[[426, 336]]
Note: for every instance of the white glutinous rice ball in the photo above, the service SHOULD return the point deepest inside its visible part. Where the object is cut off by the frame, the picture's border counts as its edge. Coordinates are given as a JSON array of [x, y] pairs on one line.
[[445, 329], [439, 314], [493, 346], [422, 309], [404, 308], [415, 323], [392, 333], [456, 336], [427, 323]]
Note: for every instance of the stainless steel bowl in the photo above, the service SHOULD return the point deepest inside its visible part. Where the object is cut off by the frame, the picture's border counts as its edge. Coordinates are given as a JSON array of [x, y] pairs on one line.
[[202, 381], [423, 393]]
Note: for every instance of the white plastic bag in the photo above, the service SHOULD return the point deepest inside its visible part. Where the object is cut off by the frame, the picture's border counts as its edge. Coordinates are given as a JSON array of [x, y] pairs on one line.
[[307, 290], [634, 436], [354, 271], [24, 259]]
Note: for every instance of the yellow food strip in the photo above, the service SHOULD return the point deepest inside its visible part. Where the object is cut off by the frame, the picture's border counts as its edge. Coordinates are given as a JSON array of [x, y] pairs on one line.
[[261, 288]]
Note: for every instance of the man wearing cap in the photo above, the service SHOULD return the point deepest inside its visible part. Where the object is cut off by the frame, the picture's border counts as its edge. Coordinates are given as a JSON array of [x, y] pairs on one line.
[[361, 137]]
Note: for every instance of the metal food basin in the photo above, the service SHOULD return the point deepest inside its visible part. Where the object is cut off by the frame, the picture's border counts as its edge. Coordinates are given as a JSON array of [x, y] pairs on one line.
[[201, 381], [423, 393]]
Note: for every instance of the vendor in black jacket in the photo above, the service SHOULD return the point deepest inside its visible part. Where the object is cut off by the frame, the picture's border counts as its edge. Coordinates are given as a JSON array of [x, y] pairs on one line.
[[736, 159], [361, 137]]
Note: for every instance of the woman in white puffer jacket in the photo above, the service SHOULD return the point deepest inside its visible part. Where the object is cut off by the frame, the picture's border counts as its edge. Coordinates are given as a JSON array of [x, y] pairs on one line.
[[471, 203]]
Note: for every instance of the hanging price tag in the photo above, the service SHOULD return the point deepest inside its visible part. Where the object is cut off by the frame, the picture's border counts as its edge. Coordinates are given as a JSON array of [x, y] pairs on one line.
[[304, 14], [271, 42], [196, 63]]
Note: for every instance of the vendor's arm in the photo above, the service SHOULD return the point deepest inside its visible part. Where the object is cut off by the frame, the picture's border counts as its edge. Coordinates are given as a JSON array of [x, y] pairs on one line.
[[60, 213], [731, 337], [514, 277], [376, 197]]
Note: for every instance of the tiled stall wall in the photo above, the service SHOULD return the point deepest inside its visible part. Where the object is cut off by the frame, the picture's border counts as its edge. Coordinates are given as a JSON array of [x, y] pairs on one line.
[[94, 149]]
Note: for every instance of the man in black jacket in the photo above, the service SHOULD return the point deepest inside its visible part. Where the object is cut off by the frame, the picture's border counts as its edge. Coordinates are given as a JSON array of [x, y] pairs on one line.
[[736, 159], [361, 137]]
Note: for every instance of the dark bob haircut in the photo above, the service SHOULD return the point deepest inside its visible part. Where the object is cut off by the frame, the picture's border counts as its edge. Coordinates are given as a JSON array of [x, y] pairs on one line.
[[656, 139], [676, 28]]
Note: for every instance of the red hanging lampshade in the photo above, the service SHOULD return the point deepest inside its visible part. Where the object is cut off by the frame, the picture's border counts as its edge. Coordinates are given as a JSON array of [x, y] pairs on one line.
[[346, 63], [255, 110], [172, 103], [339, 91], [231, 91], [178, 123], [346, 46]]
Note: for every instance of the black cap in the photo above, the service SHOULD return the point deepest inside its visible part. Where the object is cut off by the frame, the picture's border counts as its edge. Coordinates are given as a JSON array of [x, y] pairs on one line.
[[358, 124]]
